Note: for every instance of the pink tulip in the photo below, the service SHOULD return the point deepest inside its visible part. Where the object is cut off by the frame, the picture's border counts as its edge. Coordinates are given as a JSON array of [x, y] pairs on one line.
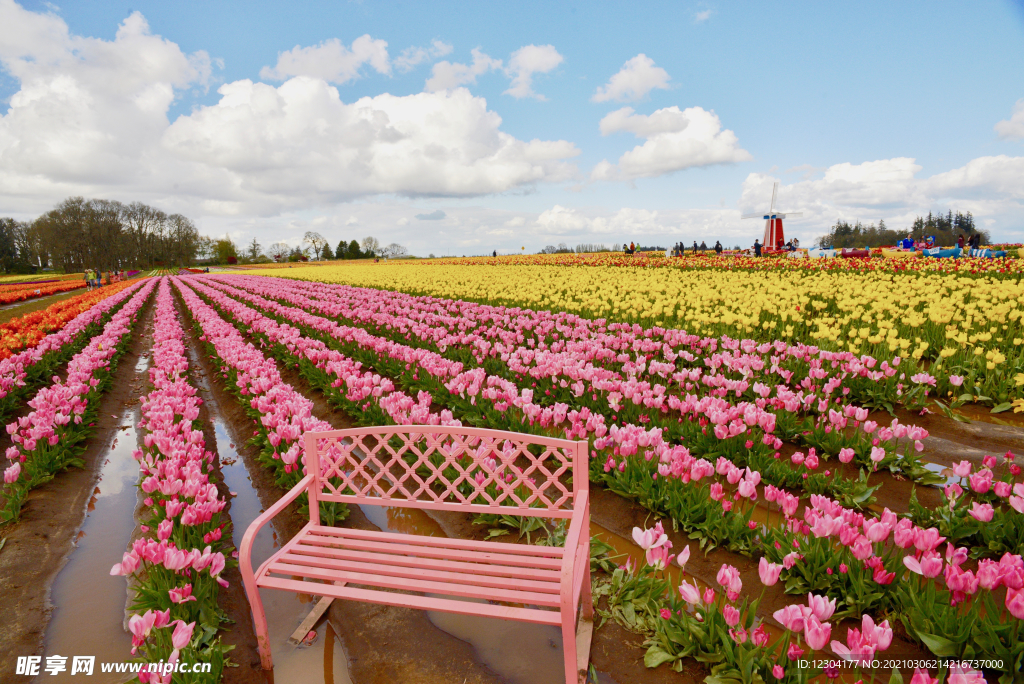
[[816, 633], [729, 578], [821, 607], [958, 675], [182, 634], [962, 469], [923, 677], [981, 512], [769, 572], [182, 595], [956, 380], [689, 593], [846, 455], [731, 615], [1015, 602], [163, 530], [12, 473], [791, 617]]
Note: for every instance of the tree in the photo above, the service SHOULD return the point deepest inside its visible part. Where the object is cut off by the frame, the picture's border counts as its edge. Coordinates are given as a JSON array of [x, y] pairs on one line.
[[342, 251], [353, 250], [394, 250], [327, 254], [316, 241], [278, 251], [371, 247], [254, 251], [225, 250]]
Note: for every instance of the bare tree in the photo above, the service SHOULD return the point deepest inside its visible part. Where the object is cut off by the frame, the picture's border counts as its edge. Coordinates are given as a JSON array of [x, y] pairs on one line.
[[278, 251], [255, 249], [316, 241], [395, 250], [370, 246]]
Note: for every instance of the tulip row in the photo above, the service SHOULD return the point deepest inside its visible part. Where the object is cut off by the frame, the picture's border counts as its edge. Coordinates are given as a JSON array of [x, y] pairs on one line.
[[177, 565], [280, 414], [46, 440], [747, 480], [23, 291]]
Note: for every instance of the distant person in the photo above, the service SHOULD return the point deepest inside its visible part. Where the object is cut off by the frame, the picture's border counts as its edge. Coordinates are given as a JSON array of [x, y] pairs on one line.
[[495, 253], [703, 246], [694, 247], [796, 243], [757, 248], [929, 242], [960, 241], [632, 248], [975, 241], [907, 243], [88, 280], [718, 247]]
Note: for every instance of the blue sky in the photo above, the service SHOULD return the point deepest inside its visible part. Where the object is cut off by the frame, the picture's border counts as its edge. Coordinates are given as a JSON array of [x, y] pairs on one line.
[[833, 101]]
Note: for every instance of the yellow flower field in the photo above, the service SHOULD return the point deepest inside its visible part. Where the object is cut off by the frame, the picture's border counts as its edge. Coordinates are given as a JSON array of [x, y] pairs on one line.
[[966, 327]]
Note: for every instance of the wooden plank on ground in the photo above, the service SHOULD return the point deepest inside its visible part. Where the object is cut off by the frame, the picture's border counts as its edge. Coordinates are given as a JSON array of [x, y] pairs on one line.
[[312, 618], [584, 635]]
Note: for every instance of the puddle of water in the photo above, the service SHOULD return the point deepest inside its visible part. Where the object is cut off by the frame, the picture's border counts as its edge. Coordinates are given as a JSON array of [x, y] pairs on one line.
[[89, 614], [324, 661], [943, 471]]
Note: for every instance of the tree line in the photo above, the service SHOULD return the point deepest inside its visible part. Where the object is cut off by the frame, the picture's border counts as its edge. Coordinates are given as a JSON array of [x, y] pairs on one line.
[[314, 246], [945, 227], [104, 234]]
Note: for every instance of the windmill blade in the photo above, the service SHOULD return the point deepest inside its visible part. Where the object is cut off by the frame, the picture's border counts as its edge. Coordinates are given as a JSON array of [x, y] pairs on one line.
[[757, 215], [790, 215], [775, 190]]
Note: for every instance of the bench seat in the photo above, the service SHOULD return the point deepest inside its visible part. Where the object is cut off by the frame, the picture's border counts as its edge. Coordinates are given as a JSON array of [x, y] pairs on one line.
[[371, 562]]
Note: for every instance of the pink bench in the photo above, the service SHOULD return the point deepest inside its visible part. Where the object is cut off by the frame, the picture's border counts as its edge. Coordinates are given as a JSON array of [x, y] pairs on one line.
[[468, 470]]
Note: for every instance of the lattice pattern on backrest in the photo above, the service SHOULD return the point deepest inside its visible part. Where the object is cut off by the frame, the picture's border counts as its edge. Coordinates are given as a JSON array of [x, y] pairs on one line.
[[446, 469]]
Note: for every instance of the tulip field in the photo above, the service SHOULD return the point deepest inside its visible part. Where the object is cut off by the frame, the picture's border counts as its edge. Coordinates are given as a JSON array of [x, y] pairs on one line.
[[817, 464]]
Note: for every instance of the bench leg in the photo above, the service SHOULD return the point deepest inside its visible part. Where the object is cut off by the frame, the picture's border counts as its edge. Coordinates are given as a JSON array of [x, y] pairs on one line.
[[259, 620], [572, 675]]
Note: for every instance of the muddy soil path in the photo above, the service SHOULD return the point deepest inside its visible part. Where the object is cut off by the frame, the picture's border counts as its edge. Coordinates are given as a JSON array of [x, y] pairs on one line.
[[38, 545]]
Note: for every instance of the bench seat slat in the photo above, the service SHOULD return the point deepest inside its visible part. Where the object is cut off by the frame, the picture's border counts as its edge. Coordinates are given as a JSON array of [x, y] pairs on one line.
[[479, 555], [442, 542], [388, 598], [434, 575], [527, 572], [406, 584]]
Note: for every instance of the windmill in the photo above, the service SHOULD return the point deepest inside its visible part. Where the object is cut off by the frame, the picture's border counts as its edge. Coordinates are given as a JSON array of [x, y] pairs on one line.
[[773, 237]]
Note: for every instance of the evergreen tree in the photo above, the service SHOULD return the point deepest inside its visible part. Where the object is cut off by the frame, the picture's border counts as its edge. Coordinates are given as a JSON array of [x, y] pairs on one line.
[[354, 251], [326, 252], [342, 251]]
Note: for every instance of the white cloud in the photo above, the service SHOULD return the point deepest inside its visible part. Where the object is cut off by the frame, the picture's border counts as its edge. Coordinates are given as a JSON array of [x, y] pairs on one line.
[[527, 61], [701, 17], [675, 140], [90, 118], [88, 111], [1013, 128], [446, 75], [331, 60], [889, 189], [413, 56], [633, 82]]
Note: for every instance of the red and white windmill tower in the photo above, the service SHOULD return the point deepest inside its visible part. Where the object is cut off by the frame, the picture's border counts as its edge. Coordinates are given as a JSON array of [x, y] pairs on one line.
[[773, 237]]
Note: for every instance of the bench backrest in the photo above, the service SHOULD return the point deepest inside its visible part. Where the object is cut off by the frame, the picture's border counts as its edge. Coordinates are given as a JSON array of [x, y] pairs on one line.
[[447, 468]]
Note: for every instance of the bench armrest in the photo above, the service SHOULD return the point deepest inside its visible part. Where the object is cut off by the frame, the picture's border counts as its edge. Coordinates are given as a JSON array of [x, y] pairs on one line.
[[581, 512], [245, 548]]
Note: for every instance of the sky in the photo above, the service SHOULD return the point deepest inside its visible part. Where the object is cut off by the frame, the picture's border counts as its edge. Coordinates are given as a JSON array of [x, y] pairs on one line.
[[463, 128]]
